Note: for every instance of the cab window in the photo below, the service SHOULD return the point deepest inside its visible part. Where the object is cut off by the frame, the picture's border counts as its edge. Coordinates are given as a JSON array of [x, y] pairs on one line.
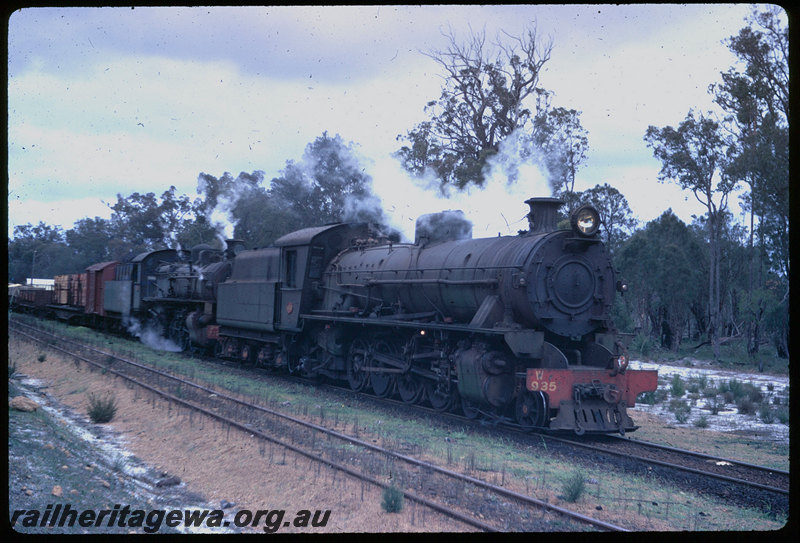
[[291, 269]]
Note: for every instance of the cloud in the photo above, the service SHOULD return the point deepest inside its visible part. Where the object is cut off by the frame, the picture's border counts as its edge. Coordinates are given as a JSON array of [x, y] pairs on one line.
[[63, 213], [145, 123]]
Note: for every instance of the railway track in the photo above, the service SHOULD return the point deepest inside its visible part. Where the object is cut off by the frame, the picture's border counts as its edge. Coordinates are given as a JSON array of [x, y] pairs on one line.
[[739, 483], [745, 474], [476, 503], [732, 480]]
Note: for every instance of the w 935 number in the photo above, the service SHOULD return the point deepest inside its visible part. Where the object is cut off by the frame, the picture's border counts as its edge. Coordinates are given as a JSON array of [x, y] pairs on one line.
[[543, 386]]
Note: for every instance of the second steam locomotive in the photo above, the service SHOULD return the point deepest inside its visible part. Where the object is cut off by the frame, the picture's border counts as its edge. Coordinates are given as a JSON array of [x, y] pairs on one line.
[[513, 328]]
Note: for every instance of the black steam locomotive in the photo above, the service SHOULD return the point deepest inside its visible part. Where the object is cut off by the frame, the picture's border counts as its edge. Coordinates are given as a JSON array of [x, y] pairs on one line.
[[515, 328]]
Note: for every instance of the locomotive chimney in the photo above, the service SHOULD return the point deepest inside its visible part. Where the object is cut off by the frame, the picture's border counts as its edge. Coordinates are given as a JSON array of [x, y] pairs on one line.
[[543, 214], [233, 247]]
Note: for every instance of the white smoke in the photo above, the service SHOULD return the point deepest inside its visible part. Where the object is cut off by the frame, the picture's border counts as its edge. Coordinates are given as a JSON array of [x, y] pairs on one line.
[[226, 200], [496, 208], [150, 336], [220, 215]]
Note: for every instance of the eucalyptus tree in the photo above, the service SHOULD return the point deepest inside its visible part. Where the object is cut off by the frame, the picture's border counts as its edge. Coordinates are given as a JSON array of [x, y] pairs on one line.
[[660, 264], [489, 92], [91, 240], [143, 222], [756, 99], [327, 184], [694, 155], [561, 143], [615, 213], [36, 251]]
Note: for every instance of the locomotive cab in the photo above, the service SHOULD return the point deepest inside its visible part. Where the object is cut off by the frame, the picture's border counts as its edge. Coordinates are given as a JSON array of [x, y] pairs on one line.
[[270, 289]]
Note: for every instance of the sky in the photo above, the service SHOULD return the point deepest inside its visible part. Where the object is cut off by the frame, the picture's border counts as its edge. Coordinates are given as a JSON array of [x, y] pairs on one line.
[[107, 101]]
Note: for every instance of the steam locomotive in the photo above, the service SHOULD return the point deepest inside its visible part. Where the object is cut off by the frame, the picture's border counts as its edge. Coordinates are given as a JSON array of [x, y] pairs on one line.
[[514, 328]]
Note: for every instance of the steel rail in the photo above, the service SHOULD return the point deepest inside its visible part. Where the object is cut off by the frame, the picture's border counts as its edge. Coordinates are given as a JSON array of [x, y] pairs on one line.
[[608, 452], [704, 456], [678, 467]]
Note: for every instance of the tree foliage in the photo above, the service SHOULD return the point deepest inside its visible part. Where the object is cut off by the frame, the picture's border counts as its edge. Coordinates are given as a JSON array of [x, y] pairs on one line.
[[694, 155], [37, 251], [615, 213], [484, 100], [756, 99], [662, 265], [757, 102], [328, 184], [143, 222], [562, 144]]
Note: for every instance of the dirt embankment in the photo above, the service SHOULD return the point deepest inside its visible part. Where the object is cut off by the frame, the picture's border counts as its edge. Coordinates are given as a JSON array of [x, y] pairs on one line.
[[50, 463]]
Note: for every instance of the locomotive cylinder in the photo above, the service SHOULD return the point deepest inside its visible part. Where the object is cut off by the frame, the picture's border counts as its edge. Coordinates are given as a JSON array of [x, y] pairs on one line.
[[484, 376]]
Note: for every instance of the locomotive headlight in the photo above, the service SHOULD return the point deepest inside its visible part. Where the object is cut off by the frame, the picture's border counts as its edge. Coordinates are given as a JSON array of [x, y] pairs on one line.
[[585, 221]]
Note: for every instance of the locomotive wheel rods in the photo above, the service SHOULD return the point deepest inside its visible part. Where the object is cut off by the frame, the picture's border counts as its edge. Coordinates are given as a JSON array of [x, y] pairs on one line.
[[471, 409], [356, 359], [383, 384]]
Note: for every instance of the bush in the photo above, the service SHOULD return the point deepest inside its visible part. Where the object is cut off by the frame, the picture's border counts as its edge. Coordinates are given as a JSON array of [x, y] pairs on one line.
[[715, 404], [766, 414], [745, 406], [710, 392], [574, 486], [701, 422], [392, 501], [681, 409], [652, 397], [648, 397], [102, 409], [736, 388], [697, 384], [641, 344], [677, 387], [754, 393]]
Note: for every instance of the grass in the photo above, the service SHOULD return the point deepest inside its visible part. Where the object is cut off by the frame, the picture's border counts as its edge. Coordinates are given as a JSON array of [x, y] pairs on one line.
[[44, 453], [102, 408], [392, 499], [573, 486]]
